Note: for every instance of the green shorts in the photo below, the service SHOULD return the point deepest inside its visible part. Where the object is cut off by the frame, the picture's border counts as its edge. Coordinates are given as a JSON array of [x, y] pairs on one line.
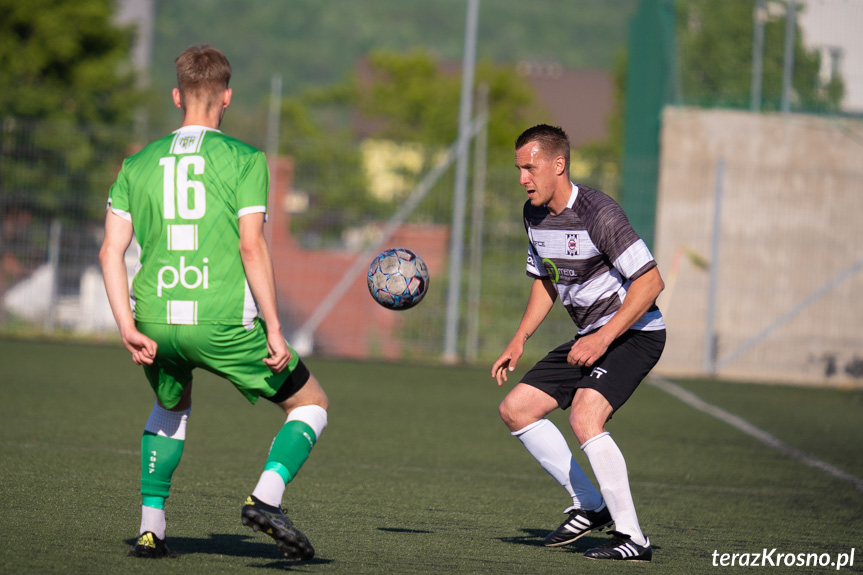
[[230, 351]]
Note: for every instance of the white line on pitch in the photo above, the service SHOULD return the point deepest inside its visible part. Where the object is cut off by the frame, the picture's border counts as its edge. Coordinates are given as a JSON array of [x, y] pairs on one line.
[[767, 439]]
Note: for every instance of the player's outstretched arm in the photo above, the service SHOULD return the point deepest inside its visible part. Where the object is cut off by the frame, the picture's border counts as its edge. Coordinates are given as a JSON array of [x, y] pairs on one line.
[[542, 298], [118, 236], [258, 265]]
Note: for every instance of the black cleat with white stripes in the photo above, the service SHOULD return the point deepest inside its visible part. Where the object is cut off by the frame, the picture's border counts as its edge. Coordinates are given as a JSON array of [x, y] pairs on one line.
[[621, 548], [579, 523]]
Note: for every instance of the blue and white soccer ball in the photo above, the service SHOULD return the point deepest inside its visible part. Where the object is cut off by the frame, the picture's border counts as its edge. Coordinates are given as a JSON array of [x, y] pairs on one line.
[[398, 278]]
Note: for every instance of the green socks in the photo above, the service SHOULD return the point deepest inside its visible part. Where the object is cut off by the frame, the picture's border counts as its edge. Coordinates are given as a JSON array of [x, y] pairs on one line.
[[160, 456], [290, 449]]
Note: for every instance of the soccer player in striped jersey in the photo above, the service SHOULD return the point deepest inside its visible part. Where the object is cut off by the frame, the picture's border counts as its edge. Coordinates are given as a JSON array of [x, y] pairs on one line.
[[582, 250], [204, 296]]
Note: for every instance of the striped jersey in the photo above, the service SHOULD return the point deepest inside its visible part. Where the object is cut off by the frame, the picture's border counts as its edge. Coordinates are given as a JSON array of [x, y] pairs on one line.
[[591, 254], [184, 195]]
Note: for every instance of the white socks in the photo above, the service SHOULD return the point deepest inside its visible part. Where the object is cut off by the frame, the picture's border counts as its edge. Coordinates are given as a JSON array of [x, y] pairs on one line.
[[609, 468], [270, 488], [153, 519], [545, 442], [314, 416], [168, 423]]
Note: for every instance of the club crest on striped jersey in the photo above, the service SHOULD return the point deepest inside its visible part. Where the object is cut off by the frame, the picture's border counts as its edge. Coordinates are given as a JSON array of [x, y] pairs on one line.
[[572, 244]]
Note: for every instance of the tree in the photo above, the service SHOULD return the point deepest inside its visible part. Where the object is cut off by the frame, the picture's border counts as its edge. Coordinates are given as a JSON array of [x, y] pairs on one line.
[[414, 98], [407, 99], [715, 50], [599, 163], [316, 133], [65, 85], [313, 43]]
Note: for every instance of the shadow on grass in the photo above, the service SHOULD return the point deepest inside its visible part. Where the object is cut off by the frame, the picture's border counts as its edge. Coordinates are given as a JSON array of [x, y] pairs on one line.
[[233, 545], [403, 530], [535, 537]]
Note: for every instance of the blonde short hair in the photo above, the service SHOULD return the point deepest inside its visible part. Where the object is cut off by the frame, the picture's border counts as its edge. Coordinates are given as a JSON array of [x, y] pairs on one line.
[[203, 73]]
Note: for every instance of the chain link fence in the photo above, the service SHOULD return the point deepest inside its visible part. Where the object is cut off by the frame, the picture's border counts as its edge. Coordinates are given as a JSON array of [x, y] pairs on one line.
[[324, 216], [785, 235]]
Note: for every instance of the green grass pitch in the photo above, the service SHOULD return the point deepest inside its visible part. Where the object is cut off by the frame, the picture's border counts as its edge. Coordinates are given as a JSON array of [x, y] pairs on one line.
[[415, 474]]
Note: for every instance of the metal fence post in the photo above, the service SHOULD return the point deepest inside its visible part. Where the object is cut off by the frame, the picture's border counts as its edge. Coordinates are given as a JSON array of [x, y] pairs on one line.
[[710, 336], [788, 58], [54, 238], [450, 353], [274, 121], [759, 17], [476, 228]]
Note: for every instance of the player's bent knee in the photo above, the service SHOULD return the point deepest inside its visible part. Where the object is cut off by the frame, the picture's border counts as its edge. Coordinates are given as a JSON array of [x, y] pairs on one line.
[[317, 395], [314, 416], [503, 411], [525, 405], [585, 427], [514, 417], [311, 393], [508, 412]]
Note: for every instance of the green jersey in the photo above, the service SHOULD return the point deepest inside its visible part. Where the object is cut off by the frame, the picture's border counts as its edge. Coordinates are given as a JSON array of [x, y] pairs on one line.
[[184, 195]]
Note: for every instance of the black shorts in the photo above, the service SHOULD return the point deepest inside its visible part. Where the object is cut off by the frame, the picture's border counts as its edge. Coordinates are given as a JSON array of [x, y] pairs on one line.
[[616, 374]]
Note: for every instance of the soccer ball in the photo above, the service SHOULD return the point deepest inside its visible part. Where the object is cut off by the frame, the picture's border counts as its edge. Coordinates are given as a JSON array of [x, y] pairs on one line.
[[398, 278]]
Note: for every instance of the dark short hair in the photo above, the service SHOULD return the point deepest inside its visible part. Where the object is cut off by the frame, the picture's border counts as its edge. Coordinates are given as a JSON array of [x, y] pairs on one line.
[[552, 139], [202, 72]]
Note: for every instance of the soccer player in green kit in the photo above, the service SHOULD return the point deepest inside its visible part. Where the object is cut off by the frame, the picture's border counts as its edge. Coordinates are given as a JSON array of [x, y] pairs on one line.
[[204, 297]]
